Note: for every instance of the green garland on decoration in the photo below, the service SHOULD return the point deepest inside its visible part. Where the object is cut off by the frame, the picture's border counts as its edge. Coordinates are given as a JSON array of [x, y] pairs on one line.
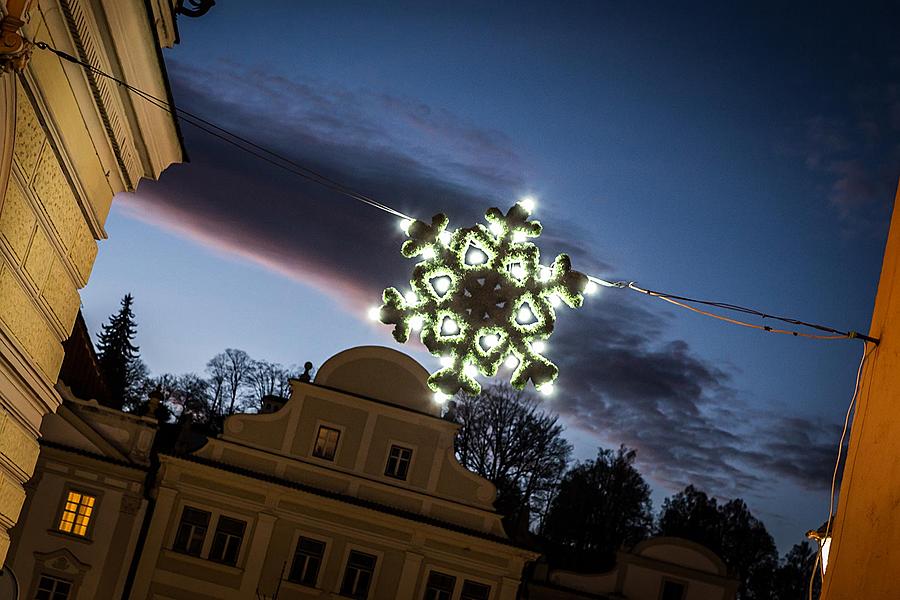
[[481, 298]]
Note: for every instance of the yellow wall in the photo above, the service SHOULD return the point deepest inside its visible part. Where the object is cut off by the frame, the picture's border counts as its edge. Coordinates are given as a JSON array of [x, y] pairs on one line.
[[865, 552]]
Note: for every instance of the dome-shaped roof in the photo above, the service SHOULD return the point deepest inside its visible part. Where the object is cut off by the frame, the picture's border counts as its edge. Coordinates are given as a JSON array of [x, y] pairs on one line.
[[380, 373]]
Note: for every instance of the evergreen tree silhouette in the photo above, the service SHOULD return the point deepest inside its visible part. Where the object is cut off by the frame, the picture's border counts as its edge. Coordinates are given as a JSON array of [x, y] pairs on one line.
[[117, 354]]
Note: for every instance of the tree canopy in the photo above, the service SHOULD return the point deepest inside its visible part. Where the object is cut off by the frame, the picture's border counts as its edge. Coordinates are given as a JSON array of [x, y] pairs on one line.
[[119, 357], [601, 505]]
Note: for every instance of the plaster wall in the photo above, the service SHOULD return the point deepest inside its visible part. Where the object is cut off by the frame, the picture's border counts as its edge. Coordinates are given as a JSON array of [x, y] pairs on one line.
[[864, 561]]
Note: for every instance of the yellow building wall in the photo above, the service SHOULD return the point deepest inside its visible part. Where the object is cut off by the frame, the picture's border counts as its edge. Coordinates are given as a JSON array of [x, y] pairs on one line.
[[864, 561]]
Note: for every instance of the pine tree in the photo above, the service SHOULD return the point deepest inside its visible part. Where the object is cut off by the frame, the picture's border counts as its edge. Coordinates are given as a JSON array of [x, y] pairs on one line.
[[118, 356]]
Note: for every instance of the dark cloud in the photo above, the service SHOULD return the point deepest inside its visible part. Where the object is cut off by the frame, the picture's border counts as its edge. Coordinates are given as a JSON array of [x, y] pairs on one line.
[[623, 381]]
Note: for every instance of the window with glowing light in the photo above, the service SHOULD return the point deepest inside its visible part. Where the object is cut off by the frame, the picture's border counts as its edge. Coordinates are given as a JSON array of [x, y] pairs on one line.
[[326, 442], [398, 462], [77, 513]]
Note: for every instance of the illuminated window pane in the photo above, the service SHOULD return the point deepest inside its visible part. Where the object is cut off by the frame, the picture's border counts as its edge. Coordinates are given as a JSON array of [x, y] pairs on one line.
[[326, 443], [77, 512]]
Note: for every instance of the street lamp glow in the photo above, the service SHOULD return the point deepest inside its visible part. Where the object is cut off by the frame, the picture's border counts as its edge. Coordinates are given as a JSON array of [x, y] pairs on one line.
[[539, 346], [428, 253], [528, 204], [545, 273], [444, 237], [590, 288], [410, 297], [441, 284], [441, 397], [546, 389], [405, 224], [375, 313], [491, 340], [511, 362], [449, 327]]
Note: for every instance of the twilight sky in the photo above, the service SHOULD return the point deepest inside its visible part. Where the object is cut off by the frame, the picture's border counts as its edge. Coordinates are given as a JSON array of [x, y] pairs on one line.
[[745, 154]]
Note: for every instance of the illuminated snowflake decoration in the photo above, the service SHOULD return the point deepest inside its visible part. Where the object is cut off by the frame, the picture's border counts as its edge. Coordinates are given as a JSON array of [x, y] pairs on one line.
[[480, 298]]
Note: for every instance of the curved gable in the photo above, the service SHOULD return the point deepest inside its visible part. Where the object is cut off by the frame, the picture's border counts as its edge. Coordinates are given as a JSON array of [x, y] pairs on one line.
[[380, 373]]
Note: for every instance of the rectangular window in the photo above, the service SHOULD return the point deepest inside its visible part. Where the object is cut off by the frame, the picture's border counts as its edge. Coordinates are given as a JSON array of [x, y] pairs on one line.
[[191, 531], [77, 513], [672, 590], [51, 588], [472, 590], [227, 540], [358, 575], [439, 586], [307, 561], [326, 442], [398, 462]]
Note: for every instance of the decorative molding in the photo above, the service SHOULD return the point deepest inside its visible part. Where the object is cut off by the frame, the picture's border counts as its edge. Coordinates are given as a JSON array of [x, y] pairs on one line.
[[131, 504], [7, 130], [86, 48]]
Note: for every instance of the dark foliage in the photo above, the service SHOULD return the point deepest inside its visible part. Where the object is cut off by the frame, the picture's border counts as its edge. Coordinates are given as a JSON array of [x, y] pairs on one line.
[[119, 359], [601, 505]]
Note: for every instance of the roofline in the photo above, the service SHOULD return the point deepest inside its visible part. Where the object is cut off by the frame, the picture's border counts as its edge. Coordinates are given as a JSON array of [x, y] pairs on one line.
[[403, 514], [89, 454]]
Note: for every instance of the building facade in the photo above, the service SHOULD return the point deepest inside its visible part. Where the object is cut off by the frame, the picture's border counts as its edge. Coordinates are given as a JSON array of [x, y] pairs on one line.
[[69, 141], [350, 489], [661, 568]]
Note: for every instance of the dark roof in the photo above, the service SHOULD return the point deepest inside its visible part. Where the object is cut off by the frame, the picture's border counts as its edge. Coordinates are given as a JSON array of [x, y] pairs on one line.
[[399, 512], [370, 399], [80, 369]]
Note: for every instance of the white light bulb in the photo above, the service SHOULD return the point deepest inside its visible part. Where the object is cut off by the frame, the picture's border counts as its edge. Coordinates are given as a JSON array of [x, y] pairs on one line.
[[428, 253], [441, 397], [416, 322], [475, 256], [469, 370], [491, 340], [405, 224], [517, 271], [528, 204], [519, 237], [545, 273], [590, 288], [410, 297], [555, 300], [546, 389], [525, 315], [444, 237], [449, 327], [375, 313], [539, 346], [446, 361], [441, 284], [511, 362], [497, 229]]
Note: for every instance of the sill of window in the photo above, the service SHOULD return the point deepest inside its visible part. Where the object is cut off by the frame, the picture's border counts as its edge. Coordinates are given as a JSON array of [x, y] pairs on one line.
[[70, 536], [204, 562], [303, 589]]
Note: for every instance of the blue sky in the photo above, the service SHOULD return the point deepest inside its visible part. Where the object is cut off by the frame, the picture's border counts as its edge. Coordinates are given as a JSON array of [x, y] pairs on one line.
[[742, 154]]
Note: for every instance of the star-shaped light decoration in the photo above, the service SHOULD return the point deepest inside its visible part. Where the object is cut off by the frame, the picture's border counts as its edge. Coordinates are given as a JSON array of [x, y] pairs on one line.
[[480, 298]]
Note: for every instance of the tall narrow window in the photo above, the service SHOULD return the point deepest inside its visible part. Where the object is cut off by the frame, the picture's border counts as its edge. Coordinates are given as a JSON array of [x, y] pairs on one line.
[[439, 586], [191, 531], [77, 512], [472, 590], [358, 575], [307, 561], [227, 540], [52, 588], [398, 462], [326, 442]]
